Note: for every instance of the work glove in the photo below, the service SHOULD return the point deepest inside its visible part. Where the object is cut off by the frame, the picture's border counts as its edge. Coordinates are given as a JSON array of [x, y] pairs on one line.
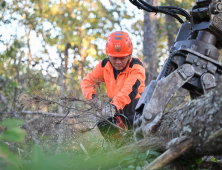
[[109, 111], [95, 102]]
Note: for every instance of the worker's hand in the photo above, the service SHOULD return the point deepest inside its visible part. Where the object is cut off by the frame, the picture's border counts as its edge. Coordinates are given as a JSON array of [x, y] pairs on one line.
[[95, 102], [109, 111]]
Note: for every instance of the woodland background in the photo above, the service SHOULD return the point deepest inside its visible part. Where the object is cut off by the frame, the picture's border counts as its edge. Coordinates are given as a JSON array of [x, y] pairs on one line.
[[46, 48]]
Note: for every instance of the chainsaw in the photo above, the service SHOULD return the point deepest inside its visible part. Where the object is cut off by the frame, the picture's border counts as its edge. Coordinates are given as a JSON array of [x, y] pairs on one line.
[[193, 63]]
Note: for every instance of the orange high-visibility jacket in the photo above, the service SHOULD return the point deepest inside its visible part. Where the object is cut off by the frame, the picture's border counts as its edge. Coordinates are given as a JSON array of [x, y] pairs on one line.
[[128, 85]]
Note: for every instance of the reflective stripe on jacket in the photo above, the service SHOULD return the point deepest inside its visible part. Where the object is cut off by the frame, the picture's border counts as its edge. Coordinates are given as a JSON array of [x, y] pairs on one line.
[[128, 85]]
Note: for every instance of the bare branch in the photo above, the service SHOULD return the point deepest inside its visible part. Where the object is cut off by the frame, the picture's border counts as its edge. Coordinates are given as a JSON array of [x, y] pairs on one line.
[[37, 100], [47, 114]]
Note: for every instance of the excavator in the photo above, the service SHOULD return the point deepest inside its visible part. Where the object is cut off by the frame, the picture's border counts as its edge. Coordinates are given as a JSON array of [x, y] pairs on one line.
[[193, 62]]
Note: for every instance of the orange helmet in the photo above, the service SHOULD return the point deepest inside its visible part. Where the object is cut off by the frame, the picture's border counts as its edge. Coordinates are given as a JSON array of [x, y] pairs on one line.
[[119, 44]]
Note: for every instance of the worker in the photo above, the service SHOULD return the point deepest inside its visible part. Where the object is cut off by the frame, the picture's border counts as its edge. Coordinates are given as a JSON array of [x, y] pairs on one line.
[[124, 78]]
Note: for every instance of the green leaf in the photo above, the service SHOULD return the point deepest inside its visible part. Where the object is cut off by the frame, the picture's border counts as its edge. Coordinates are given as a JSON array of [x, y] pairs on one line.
[[145, 162], [131, 166], [138, 168], [1, 138], [199, 161], [128, 158], [3, 150], [154, 153], [12, 123], [151, 160], [37, 155], [135, 153], [142, 156], [131, 161], [14, 159], [147, 153], [213, 159], [13, 134], [8, 156]]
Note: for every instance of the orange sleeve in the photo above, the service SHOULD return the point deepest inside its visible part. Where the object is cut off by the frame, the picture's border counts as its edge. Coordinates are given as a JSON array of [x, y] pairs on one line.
[[91, 81], [133, 83]]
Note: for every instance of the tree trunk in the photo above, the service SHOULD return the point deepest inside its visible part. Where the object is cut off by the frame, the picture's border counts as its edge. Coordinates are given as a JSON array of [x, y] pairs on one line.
[[68, 45], [171, 26], [61, 126], [150, 44]]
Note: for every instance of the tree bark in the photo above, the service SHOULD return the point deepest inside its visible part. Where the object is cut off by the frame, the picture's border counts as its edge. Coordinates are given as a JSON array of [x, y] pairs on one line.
[[150, 44], [61, 126]]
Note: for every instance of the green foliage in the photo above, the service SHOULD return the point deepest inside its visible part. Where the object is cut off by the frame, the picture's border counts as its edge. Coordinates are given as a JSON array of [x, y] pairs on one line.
[[139, 160], [11, 133], [199, 161], [11, 123], [41, 161], [213, 159]]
